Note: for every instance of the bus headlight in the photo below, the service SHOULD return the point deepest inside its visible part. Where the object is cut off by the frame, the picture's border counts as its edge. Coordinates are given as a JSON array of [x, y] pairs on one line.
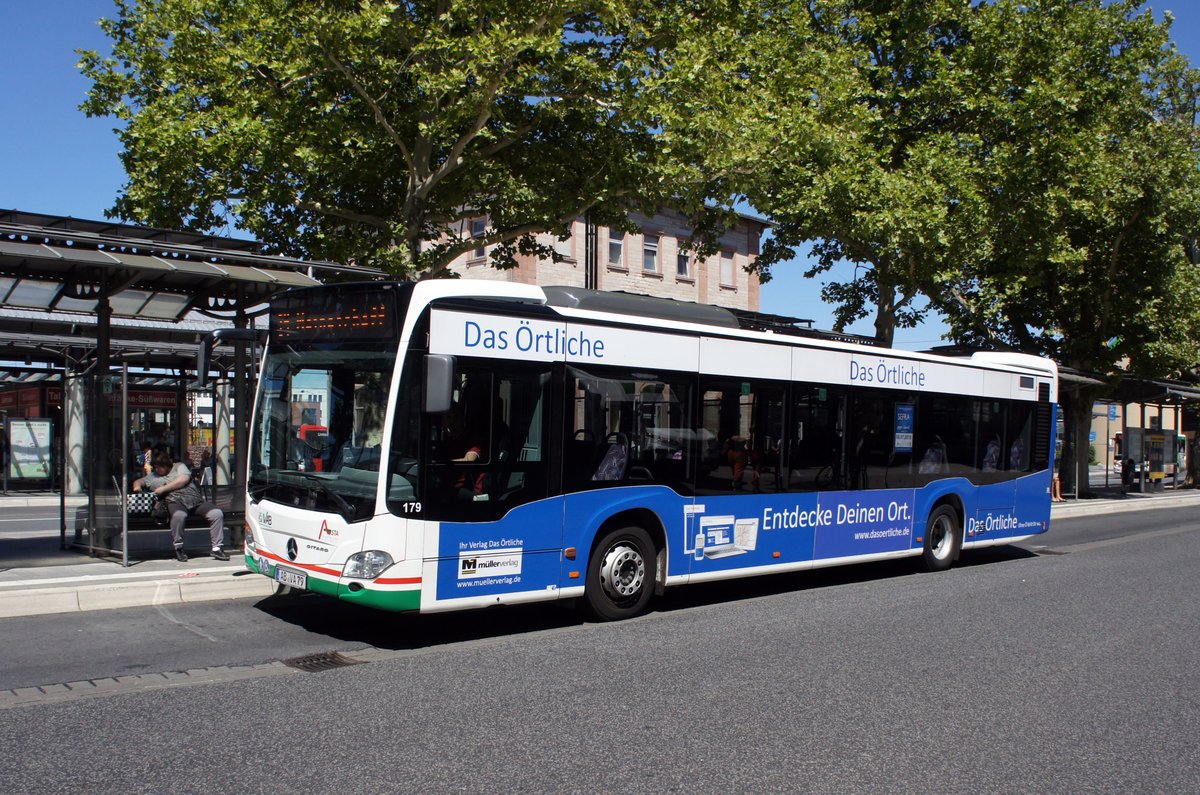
[[367, 565]]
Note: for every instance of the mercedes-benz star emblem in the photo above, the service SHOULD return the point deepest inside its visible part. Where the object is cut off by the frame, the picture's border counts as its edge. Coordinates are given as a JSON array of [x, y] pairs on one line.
[[293, 549]]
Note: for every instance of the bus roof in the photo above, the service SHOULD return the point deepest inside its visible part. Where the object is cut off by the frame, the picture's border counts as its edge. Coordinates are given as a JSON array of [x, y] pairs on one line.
[[641, 309]]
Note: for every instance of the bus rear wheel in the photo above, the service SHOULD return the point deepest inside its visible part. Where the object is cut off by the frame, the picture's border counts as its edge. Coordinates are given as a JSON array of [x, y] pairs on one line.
[[620, 576], [943, 539]]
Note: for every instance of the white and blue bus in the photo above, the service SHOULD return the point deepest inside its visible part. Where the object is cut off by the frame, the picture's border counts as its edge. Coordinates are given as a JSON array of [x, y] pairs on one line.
[[500, 443]]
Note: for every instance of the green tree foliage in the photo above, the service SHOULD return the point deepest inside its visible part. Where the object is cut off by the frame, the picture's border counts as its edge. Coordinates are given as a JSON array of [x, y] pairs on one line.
[[872, 166], [1085, 115], [1089, 148], [372, 132], [745, 87], [1027, 168]]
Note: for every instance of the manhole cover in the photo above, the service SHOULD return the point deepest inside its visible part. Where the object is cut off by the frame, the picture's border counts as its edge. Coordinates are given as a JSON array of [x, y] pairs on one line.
[[321, 662]]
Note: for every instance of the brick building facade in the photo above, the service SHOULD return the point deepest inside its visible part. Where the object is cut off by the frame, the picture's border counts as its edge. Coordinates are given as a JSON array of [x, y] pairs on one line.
[[649, 262]]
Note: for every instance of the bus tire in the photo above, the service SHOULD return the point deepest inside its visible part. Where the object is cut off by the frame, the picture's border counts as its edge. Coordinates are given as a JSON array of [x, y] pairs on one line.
[[620, 575], [943, 539]]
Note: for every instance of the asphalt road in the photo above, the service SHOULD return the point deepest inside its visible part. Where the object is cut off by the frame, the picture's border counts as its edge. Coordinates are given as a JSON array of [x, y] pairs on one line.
[[1069, 668]]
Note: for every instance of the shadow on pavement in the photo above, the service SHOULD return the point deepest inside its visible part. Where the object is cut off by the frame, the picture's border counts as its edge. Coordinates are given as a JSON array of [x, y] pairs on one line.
[[44, 550], [395, 631]]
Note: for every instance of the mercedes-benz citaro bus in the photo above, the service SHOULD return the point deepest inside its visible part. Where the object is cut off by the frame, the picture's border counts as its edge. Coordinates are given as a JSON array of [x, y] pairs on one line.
[[496, 443]]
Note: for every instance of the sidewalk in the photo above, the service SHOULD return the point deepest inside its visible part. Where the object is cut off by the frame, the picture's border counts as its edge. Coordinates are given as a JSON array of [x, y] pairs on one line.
[[1114, 500], [39, 578]]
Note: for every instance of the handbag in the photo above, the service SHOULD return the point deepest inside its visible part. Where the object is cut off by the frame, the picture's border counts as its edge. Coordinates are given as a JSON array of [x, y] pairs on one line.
[[159, 513], [139, 502]]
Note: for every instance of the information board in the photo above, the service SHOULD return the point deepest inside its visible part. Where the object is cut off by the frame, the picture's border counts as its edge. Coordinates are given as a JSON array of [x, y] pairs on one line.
[[28, 447], [905, 412]]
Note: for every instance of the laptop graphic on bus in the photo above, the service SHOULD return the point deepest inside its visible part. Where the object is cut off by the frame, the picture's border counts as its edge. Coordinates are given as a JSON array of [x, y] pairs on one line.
[[727, 535]]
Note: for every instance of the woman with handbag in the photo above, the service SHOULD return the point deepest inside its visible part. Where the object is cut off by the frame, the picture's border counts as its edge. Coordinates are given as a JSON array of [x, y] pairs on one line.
[[171, 483]]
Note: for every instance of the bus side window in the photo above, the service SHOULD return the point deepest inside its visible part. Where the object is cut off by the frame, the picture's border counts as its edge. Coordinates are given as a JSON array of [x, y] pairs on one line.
[[814, 449], [947, 423], [742, 423], [1020, 434], [487, 453], [629, 429]]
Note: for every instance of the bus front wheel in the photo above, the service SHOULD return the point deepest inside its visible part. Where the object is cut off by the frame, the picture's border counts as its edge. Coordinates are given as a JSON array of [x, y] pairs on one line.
[[943, 539], [620, 576]]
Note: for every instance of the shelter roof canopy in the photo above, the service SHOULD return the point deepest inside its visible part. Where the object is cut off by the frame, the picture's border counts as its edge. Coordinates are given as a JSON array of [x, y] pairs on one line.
[[55, 263]]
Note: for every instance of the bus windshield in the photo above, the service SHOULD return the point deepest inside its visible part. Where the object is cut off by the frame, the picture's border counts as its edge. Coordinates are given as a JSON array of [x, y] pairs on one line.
[[319, 426]]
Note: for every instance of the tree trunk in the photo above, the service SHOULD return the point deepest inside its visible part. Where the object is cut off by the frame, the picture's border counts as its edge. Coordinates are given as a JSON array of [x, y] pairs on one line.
[[1193, 464], [1073, 467], [885, 314]]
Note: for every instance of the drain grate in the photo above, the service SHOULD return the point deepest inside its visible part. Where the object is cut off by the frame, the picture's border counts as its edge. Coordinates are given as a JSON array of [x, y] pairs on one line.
[[324, 661]]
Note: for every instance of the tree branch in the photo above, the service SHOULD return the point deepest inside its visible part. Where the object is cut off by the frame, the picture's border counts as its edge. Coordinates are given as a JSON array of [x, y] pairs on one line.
[[453, 158], [1105, 307], [347, 215], [376, 109]]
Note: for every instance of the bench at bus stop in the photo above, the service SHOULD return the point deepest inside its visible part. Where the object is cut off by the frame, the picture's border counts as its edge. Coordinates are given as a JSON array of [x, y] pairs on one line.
[[150, 538]]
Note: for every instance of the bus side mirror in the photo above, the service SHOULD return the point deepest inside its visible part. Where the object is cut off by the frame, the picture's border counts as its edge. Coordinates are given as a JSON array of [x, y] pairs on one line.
[[439, 383], [204, 351]]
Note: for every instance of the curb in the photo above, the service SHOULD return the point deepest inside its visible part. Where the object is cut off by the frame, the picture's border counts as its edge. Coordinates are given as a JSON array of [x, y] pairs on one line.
[[167, 588], [1095, 507], [11, 501]]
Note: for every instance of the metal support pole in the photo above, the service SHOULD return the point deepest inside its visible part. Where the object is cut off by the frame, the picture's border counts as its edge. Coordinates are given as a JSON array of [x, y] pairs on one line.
[[1124, 441], [1142, 463], [99, 424], [122, 489], [241, 413], [91, 442], [1107, 438], [1176, 433], [591, 255], [62, 466]]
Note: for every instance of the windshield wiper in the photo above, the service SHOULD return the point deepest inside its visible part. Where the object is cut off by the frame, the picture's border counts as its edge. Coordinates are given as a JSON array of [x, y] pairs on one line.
[[255, 490], [346, 509]]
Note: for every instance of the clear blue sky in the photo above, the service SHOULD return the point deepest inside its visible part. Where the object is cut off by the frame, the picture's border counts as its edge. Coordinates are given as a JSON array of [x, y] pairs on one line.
[[58, 161]]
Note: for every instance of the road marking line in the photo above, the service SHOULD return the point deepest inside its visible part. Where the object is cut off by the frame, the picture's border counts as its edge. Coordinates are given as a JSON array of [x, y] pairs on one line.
[[165, 613]]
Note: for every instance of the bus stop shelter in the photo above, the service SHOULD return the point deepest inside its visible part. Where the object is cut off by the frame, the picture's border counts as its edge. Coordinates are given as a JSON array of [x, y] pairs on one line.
[[1153, 432], [113, 308]]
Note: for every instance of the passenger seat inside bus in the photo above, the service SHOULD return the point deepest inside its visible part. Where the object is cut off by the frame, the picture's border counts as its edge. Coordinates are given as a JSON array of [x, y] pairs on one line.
[[616, 457]]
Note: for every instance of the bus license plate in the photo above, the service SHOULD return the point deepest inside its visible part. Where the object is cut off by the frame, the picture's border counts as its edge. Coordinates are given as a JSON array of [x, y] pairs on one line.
[[294, 579]]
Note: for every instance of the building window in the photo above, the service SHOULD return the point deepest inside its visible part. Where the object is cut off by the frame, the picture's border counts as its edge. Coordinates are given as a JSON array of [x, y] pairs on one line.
[[565, 249], [616, 246], [683, 265], [478, 229], [727, 269], [650, 254]]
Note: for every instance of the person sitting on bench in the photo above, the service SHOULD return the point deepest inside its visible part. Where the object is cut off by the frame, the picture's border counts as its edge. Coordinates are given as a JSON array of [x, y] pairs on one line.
[[172, 483]]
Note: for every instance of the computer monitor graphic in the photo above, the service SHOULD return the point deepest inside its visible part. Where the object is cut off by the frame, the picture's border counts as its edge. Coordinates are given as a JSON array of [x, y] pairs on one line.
[[727, 535]]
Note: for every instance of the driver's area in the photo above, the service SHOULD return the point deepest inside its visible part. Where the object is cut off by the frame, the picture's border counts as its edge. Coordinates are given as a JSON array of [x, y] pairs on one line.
[[480, 454]]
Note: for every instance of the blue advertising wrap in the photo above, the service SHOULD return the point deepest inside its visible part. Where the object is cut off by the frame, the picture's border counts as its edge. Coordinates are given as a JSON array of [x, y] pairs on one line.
[[523, 552]]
